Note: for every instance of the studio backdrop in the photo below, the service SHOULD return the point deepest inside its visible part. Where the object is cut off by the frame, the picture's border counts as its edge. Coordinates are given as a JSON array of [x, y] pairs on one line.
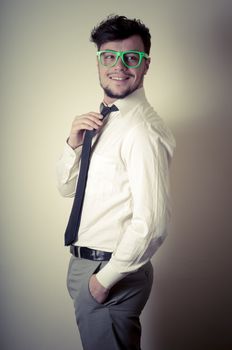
[[48, 76]]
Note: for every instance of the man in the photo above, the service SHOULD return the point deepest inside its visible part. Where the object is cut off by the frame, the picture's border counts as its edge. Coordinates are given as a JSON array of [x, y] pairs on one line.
[[125, 206]]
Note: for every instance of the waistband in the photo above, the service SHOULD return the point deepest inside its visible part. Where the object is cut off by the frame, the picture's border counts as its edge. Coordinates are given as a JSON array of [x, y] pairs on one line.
[[90, 254]]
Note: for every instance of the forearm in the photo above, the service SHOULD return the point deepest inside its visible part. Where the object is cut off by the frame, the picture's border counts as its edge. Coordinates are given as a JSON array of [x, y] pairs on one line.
[[135, 248], [67, 171]]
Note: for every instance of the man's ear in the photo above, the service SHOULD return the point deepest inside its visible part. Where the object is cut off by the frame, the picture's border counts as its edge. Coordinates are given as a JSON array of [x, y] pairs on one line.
[[147, 64]]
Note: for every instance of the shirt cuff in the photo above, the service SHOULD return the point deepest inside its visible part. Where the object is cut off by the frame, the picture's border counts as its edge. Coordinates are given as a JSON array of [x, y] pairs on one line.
[[70, 151], [108, 276]]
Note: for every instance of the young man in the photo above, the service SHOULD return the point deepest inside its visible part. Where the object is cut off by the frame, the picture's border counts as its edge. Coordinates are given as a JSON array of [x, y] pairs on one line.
[[125, 207]]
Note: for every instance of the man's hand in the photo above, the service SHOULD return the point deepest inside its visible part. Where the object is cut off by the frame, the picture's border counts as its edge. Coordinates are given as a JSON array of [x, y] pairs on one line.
[[81, 123], [99, 293]]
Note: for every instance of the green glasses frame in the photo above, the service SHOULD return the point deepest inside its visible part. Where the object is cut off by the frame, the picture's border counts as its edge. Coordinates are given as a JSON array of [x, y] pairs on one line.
[[121, 55]]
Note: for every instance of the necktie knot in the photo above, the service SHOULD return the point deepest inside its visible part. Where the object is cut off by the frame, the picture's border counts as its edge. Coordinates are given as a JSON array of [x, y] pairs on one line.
[[105, 110]]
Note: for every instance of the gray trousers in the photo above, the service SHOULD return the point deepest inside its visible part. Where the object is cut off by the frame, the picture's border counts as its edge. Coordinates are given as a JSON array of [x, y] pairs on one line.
[[113, 325]]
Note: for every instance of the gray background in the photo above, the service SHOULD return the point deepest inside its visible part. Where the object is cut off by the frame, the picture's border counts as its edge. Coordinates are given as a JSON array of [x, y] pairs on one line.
[[48, 75]]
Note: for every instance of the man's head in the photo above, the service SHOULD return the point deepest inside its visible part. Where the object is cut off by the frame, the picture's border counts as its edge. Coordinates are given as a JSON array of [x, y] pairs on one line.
[[121, 72]]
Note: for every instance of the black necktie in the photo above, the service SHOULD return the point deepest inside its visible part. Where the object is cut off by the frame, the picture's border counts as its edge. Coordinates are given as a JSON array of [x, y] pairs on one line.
[[71, 232]]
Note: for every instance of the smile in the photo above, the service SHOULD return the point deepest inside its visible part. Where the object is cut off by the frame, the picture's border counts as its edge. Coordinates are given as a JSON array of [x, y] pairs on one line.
[[119, 78]]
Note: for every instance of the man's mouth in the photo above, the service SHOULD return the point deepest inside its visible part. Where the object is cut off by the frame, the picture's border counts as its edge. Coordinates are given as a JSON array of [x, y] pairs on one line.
[[118, 78]]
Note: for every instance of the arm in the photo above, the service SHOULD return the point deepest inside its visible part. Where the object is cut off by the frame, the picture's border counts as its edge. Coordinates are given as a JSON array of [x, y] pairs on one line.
[[68, 164], [67, 170], [146, 162]]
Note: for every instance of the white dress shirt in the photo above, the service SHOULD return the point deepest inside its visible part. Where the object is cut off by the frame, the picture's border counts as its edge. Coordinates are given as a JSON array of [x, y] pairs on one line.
[[126, 204]]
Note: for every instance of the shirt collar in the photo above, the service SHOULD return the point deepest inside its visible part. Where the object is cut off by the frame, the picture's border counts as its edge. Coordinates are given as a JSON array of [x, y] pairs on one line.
[[126, 104]]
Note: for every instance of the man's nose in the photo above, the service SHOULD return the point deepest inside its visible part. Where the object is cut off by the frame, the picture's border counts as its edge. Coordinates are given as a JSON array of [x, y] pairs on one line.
[[120, 64]]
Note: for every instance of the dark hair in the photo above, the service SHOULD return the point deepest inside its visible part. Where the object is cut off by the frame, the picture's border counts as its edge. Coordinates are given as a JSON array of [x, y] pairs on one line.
[[116, 27]]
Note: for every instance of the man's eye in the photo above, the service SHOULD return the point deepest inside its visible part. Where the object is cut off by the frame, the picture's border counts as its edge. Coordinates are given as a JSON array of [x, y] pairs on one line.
[[132, 58], [109, 56]]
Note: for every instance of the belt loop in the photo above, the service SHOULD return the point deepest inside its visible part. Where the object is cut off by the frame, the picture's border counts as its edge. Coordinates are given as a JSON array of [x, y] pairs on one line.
[[72, 251], [79, 251]]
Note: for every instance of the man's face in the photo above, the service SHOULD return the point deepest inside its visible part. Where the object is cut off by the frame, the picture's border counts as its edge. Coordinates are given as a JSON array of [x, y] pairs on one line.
[[120, 81]]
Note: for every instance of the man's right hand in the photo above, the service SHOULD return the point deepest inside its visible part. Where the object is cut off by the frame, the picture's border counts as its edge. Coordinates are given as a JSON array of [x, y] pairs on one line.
[[81, 123]]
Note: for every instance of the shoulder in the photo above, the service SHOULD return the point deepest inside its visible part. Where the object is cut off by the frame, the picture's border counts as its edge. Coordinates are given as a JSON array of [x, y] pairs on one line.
[[147, 130], [142, 122]]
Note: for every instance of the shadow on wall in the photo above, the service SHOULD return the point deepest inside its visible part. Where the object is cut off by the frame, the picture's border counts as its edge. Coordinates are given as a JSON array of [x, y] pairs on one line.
[[192, 308], [191, 303]]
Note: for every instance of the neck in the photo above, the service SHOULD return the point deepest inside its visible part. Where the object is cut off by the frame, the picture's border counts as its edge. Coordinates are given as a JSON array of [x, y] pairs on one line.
[[108, 100]]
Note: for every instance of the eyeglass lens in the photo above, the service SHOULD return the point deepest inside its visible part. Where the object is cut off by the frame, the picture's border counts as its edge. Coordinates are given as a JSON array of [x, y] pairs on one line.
[[129, 58]]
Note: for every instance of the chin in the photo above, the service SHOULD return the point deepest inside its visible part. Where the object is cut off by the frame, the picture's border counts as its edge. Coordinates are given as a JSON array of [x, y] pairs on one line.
[[117, 94]]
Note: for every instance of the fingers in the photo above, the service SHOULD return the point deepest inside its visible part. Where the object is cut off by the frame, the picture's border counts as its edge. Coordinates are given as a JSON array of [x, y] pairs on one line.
[[98, 292], [88, 121]]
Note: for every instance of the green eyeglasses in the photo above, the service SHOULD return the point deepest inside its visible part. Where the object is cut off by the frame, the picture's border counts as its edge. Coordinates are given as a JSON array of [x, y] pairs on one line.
[[130, 59]]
